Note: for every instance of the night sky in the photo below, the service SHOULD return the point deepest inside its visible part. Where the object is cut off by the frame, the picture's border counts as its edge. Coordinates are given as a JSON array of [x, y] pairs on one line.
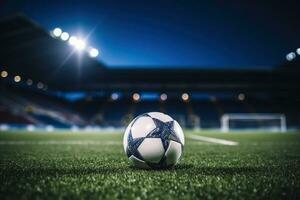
[[182, 33]]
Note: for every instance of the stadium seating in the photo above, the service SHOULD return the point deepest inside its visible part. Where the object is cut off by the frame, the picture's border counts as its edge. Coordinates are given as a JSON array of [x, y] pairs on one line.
[[19, 106]]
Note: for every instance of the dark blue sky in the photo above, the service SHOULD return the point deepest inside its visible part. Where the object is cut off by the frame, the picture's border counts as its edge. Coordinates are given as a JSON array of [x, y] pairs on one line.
[[220, 33]]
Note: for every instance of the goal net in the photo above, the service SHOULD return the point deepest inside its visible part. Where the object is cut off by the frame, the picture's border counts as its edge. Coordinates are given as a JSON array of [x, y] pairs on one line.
[[270, 122]]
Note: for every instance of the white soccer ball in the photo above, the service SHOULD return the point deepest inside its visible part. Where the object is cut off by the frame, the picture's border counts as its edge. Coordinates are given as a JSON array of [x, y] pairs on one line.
[[153, 140]]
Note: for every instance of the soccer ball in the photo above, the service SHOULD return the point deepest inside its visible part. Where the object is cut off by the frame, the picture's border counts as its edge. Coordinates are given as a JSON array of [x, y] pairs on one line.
[[153, 140]]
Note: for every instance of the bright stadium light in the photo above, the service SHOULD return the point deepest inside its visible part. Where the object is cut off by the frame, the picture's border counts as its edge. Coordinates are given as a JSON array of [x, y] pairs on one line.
[[241, 97], [185, 96], [114, 96], [163, 97], [298, 51], [4, 74], [74, 128], [29, 82], [73, 40], [4, 127], [65, 36], [40, 85], [57, 32], [136, 97], [30, 127], [291, 56], [80, 44], [17, 79], [93, 52], [49, 128]]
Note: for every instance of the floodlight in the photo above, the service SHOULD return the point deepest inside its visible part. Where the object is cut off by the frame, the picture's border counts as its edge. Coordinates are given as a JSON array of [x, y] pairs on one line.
[[49, 128], [30, 127], [4, 127], [80, 44], [298, 51], [4, 74], [57, 32], [74, 128], [241, 97], [185, 96], [72, 40], [136, 97], [29, 82], [93, 52], [40, 85], [163, 97], [17, 79], [114, 96], [291, 56], [65, 36]]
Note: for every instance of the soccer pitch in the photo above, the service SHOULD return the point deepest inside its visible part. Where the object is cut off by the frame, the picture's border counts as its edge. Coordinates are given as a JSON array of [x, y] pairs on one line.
[[94, 166]]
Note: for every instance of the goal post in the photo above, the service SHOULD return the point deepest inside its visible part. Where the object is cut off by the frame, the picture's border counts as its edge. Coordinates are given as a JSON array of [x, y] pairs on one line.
[[274, 122]]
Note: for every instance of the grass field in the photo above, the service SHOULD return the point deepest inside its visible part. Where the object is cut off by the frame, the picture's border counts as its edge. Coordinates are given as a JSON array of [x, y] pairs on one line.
[[94, 166]]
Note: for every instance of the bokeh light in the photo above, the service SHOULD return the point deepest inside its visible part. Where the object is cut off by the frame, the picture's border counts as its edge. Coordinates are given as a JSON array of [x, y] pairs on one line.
[[57, 32], [4, 74], [241, 97], [185, 96], [73, 40], [29, 82], [114, 96], [163, 97], [93, 52], [291, 56], [17, 79], [65, 36], [80, 44], [298, 51], [136, 97], [40, 85]]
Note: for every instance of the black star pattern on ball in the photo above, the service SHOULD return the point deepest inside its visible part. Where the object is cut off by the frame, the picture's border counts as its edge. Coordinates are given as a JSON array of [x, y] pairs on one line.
[[164, 131], [133, 145]]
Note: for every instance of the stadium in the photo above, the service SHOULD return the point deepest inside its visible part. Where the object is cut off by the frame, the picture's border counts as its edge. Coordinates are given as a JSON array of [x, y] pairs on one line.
[[64, 111]]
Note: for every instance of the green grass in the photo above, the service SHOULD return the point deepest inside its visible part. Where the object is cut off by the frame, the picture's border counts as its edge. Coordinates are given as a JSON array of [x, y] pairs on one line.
[[264, 165]]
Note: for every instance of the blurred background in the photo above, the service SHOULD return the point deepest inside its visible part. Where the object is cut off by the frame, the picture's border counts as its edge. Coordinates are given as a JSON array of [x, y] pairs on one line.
[[95, 65]]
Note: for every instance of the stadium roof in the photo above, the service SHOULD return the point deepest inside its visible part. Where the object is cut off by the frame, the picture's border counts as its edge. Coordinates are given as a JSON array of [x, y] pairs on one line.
[[31, 52]]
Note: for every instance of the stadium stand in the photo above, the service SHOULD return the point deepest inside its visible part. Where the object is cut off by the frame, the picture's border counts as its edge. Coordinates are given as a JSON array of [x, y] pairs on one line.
[[212, 93]]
